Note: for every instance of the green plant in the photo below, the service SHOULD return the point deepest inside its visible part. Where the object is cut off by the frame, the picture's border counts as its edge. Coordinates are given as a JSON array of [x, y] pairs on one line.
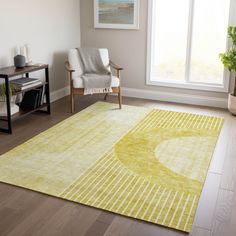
[[229, 58], [12, 91]]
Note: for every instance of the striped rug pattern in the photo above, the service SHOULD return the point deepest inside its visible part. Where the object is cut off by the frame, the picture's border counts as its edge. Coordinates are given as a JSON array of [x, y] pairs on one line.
[[129, 179]]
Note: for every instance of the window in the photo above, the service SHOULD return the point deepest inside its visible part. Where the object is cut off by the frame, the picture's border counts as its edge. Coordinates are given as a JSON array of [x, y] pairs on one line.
[[185, 39]]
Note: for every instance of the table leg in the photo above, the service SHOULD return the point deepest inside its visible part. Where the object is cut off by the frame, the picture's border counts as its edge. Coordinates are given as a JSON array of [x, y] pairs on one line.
[[47, 90], [8, 102]]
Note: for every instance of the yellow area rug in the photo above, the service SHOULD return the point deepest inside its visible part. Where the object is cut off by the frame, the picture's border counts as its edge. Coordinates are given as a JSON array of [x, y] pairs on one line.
[[143, 163]]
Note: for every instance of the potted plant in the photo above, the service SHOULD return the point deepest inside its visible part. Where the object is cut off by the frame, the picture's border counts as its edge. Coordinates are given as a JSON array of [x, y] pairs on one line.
[[3, 105], [229, 60]]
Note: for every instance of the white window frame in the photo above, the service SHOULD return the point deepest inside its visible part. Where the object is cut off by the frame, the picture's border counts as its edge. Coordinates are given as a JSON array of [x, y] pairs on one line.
[[186, 84]]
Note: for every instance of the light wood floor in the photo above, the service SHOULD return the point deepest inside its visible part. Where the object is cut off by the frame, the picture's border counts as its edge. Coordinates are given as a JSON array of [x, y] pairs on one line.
[[27, 213]]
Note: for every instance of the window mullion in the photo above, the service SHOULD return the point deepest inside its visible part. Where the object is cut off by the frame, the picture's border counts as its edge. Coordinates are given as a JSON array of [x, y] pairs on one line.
[[189, 40]]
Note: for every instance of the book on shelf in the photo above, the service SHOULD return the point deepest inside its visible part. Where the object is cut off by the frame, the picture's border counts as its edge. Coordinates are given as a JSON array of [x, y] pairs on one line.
[[29, 86], [40, 94], [42, 97], [32, 99], [25, 83]]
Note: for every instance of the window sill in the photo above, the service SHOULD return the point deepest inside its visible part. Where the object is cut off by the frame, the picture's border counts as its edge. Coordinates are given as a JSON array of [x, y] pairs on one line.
[[193, 86]]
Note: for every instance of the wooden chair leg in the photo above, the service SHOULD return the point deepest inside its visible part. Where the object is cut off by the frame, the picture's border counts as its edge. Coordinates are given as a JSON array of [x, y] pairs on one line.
[[105, 98], [120, 99], [72, 103]]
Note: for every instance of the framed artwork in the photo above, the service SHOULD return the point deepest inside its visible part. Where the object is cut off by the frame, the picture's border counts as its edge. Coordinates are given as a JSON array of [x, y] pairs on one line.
[[116, 14]]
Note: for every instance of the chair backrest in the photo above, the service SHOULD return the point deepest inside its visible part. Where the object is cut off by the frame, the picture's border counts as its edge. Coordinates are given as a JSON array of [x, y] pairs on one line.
[[76, 64]]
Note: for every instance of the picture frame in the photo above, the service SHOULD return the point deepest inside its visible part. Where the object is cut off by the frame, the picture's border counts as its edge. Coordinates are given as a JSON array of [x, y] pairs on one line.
[[116, 14]]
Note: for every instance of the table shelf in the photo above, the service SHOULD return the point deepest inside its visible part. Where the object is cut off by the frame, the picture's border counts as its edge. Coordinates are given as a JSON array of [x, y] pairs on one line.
[[8, 72]]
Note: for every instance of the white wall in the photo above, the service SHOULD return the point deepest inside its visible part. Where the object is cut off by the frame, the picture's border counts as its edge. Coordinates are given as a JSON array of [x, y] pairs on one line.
[[51, 27], [129, 49]]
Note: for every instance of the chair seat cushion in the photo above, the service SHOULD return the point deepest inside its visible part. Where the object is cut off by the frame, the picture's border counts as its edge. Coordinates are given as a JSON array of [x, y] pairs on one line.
[[78, 82]]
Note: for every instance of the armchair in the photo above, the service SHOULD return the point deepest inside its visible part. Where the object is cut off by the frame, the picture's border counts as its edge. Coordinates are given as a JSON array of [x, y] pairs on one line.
[[74, 70]]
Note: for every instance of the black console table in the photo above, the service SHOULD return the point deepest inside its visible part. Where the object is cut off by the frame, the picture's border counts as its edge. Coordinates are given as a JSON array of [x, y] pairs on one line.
[[8, 72]]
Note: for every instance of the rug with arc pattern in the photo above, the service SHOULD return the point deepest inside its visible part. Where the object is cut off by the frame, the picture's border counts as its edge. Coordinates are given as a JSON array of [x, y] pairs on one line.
[[148, 164]]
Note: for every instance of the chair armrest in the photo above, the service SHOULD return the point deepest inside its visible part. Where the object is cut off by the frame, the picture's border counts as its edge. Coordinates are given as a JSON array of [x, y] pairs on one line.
[[113, 65], [67, 66]]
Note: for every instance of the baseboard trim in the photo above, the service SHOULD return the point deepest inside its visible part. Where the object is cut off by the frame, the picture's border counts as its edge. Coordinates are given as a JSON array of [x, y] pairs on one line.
[[176, 97], [60, 93], [158, 95]]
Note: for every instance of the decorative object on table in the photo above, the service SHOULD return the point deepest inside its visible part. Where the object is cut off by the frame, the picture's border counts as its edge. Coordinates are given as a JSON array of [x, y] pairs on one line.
[[139, 162], [116, 14], [3, 104], [29, 61], [19, 61], [229, 61], [23, 51]]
